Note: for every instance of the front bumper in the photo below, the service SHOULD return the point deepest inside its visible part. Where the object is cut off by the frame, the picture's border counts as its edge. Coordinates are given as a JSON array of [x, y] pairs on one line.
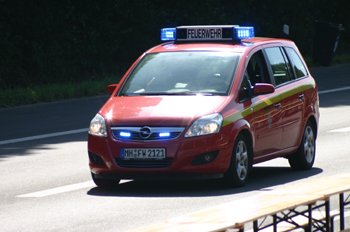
[[181, 162]]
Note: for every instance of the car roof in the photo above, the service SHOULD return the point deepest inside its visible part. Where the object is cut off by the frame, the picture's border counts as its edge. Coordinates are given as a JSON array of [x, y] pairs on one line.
[[238, 47]]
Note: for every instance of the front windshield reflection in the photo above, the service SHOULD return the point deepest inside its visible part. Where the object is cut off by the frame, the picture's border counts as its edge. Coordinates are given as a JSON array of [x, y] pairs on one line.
[[183, 73]]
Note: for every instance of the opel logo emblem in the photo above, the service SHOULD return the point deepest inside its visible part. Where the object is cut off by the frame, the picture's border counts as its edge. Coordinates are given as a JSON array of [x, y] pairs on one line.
[[145, 132]]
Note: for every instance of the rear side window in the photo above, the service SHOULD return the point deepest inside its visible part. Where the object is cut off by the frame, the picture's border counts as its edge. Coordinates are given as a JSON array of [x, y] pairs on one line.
[[298, 66], [279, 65]]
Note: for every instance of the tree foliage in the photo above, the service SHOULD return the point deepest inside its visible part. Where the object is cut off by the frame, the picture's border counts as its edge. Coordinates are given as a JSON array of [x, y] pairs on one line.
[[58, 41]]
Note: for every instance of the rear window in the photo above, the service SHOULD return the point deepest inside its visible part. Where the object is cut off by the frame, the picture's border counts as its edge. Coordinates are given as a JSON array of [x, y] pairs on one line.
[[177, 73]]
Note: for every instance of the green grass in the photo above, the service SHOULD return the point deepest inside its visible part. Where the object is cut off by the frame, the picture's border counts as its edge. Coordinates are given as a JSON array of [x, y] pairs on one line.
[[338, 59], [341, 59], [54, 92]]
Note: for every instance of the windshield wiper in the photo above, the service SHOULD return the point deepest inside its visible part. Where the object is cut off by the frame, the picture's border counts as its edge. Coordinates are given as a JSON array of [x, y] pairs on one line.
[[169, 94], [166, 93]]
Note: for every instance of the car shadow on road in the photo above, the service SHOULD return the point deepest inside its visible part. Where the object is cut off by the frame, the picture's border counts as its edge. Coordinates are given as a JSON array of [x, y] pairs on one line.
[[261, 178]]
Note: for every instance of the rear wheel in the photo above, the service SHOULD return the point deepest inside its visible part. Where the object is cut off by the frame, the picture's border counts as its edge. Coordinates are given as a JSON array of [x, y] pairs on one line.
[[304, 158], [105, 183], [240, 165]]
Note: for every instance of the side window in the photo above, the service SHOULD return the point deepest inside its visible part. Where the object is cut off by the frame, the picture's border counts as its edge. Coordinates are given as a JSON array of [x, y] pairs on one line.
[[279, 65], [256, 69], [298, 66], [256, 72]]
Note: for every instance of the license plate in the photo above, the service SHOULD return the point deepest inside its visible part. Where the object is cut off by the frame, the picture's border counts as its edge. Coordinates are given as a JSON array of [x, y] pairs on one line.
[[142, 153]]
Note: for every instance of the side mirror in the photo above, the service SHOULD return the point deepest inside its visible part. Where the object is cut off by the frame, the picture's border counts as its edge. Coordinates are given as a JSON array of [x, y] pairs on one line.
[[263, 88], [110, 89]]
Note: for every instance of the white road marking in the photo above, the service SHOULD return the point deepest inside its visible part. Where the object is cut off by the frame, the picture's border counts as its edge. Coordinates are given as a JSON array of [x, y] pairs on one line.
[[345, 129], [43, 136], [64, 189], [333, 90]]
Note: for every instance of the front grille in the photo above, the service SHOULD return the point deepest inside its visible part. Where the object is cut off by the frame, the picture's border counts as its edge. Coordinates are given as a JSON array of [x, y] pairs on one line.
[[155, 133], [144, 164]]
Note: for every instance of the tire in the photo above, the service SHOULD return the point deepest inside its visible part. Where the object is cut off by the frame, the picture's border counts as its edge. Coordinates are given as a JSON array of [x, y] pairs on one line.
[[105, 183], [240, 166], [304, 158]]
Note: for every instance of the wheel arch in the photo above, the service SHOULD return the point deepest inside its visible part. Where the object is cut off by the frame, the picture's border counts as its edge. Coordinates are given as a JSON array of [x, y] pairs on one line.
[[233, 177], [242, 127], [312, 120], [248, 136]]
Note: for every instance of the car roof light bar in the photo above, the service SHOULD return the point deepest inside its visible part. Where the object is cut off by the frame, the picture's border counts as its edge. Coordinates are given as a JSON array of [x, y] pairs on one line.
[[207, 33]]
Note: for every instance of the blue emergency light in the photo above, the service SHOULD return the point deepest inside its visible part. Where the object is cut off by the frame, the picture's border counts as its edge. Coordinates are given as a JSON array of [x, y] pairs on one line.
[[244, 32], [125, 134], [164, 134], [168, 34], [207, 33]]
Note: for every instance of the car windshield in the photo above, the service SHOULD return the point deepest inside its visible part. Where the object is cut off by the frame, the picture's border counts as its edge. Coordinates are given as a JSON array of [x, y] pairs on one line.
[[182, 73]]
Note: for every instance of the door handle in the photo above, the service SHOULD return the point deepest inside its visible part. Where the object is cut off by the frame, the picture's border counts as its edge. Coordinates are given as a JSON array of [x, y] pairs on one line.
[[278, 105], [301, 96]]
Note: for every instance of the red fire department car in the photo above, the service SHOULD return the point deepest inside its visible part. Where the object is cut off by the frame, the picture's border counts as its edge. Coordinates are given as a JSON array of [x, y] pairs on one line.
[[209, 102]]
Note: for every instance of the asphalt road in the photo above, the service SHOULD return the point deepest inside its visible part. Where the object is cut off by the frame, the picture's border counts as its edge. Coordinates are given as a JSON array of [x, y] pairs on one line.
[[45, 182]]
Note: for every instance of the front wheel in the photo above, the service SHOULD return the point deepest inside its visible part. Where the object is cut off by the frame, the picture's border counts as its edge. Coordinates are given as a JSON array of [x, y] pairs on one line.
[[105, 183], [240, 165], [304, 158]]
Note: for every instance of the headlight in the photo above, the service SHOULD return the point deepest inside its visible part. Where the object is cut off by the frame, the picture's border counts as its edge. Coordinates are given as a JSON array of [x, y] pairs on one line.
[[98, 126], [205, 125]]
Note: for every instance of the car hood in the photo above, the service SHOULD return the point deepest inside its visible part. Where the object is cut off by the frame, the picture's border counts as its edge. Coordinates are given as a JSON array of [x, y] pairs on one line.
[[159, 110]]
